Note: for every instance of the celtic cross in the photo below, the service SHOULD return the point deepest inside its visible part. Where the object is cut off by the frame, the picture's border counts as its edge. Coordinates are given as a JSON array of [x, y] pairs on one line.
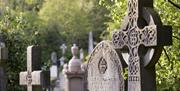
[[142, 26]]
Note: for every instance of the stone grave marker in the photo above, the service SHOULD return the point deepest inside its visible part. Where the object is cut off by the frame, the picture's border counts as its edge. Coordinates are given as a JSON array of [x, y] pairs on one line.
[[142, 36], [75, 78], [81, 54], [90, 43], [53, 68], [104, 69], [63, 47], [34, 77], [3, 59]]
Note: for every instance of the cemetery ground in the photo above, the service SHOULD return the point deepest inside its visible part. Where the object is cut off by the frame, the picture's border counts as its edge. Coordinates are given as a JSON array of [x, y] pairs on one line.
[[89, 45]]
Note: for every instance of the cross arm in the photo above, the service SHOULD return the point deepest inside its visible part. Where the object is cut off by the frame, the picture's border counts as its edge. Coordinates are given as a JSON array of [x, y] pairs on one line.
[[120, 39], [156, 36], [41, 78], [23, 78]]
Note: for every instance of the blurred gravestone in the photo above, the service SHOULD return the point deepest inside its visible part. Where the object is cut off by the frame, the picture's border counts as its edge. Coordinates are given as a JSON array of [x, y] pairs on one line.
[[3, 59], [53, 68], [34, 77], [63, 48], [81, 54], [75, 78], [90, 44]]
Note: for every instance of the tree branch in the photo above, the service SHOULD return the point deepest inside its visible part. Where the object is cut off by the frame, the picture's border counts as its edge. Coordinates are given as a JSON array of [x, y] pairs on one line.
[[176, 37], [175, 5]]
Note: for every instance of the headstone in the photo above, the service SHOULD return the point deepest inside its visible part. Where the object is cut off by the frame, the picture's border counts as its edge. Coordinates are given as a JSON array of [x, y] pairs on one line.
[[3, 59], [63, 47], [62, 59], [53, 68], [81, 54], [34, 77], [54, 58], [74, 75], [90, 47], [142, 35], [105, 69]]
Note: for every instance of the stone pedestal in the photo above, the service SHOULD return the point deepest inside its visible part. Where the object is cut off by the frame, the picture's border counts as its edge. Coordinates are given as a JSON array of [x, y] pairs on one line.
[[75, 81], [75, 76]]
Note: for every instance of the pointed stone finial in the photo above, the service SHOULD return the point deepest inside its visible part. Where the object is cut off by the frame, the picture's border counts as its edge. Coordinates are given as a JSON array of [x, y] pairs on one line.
[[74, 51]]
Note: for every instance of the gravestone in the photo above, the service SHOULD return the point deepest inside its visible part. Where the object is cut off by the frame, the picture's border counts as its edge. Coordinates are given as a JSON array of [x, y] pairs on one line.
[[75, 77], [142, 36], [53, 68], [63, 47], [34, 77], [81, 55], [3, 59], [90, 44], [104, 69]]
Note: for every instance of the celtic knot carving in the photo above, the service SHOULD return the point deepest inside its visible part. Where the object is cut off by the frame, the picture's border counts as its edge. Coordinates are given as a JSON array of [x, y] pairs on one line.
[[133, 37], [132, 8], [148, 35]]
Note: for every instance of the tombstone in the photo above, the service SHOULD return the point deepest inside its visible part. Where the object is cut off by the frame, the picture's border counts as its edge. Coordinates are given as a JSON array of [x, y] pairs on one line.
[[90, 47], [62, 59], [53, 68], [3, 59], [141, 37], [81, 54], [34, 77], [104, 69], [63, 47], [75, 78]]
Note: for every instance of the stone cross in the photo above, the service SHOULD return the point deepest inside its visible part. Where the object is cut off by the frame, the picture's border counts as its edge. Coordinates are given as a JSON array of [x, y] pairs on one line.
[[34, 77], [3, 58], [142, 29], [81, 54], [63, 47]]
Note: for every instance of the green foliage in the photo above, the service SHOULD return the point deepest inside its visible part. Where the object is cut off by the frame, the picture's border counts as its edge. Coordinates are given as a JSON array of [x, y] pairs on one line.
[[67, 17], [19, 31], [49, 24], [168, 77]]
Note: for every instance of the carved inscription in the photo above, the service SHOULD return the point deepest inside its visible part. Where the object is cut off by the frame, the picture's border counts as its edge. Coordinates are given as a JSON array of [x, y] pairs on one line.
[[102, 66]]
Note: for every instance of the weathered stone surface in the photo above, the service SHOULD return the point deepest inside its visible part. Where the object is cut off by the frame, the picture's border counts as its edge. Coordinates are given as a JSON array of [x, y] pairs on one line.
[[105, 69]]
